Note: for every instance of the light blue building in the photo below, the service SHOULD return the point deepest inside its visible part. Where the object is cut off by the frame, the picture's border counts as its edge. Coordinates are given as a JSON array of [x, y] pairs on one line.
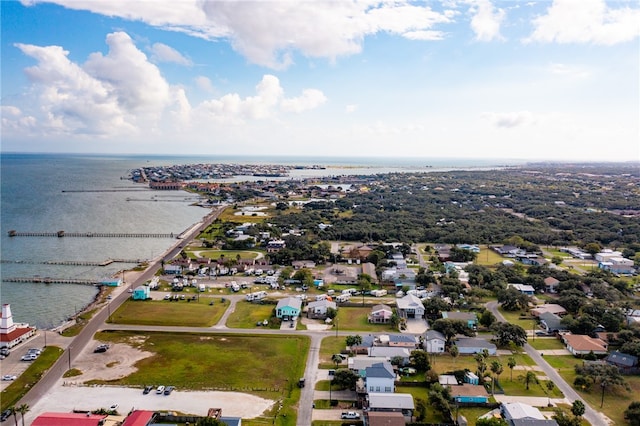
[[288, 308], [141, 293]]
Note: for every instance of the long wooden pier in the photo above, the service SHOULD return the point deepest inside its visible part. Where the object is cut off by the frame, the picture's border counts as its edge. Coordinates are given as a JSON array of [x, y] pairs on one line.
[[47, 280], [77, 262], [61, 234]]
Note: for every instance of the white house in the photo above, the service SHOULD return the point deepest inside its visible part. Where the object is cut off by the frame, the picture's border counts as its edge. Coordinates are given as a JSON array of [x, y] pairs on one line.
[[410, 307], [318, 309], [380, 377], [434, 342]]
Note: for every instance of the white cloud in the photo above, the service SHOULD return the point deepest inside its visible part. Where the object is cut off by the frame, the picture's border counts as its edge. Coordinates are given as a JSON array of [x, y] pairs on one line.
[[509, 119], [486, 20], [569, 71], [204, 83], [586, 21], [163, 53], [268, 33], [121, 93], [351, 108], [310, 99], [268, 100]]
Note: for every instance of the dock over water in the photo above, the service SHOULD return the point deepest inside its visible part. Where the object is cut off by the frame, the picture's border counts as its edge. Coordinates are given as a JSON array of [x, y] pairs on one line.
[[61, 234]]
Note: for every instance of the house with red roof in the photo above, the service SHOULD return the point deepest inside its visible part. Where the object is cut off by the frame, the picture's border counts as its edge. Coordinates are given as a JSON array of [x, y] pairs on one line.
[[12, 334], [69, 419]]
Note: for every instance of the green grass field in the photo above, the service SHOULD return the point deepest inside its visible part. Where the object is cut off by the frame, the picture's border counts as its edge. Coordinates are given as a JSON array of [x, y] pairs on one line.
[[163, 312], [488, 257], [228, 254], [247, 314], [616, 400], [545, 343], [354, 318], [265, 365]]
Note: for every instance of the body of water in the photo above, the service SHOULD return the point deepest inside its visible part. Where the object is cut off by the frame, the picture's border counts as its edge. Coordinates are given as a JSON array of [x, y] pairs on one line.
[[89, 193]]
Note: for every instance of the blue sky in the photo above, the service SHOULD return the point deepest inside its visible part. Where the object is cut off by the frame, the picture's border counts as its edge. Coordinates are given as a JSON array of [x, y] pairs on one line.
[[539, 80]]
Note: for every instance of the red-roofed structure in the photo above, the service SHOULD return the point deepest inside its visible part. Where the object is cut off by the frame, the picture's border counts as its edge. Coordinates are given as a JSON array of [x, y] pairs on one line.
[[11, 334], [139, 418], [69, 419]]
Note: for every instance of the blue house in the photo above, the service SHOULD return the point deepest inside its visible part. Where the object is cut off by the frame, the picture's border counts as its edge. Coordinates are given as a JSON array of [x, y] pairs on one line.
[[468, 393], [471, 378], [288, 308], [111, 282], [141, 293], [469, 317]]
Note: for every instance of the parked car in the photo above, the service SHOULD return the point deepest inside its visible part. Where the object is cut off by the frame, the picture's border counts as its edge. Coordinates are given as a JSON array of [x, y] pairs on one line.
[[5, 415], [147, 389], [113, 407], [168, 390], [301, 383], [160, 389], [350, 415], [5, 351], [101, 348], [8, 377], [29, 357]]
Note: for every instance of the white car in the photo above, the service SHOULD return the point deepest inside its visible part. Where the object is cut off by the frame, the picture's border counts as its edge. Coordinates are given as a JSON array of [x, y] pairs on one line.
[[114, 407], [9, 377], [350, 415], [160, 389]]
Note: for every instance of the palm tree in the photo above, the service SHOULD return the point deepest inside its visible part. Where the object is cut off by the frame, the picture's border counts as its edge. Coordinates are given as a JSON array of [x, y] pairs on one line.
[[337, 359], [511, 362], [14, 413], [22, 409], [496, 369], [482, 364], [528, 378], [550, 386]]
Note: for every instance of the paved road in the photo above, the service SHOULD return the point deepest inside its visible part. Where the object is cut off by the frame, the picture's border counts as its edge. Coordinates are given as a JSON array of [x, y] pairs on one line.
[[65, 362], [592, 416]]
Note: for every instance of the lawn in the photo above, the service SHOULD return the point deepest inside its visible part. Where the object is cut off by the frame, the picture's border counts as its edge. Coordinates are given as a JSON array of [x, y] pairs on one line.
[[247, 314], [518, 388], [331, 345], [542, 343], [472, 413], [196, 313], [19, 387], [488, 257], [514, 317], [350, 318], [196, 361], [227, 254], [615, 400]]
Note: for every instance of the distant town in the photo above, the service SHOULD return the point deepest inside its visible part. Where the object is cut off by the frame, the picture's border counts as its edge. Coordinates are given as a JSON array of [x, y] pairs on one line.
[[486, 297]]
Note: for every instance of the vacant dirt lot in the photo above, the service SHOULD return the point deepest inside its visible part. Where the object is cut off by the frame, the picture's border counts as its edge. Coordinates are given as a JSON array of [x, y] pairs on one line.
[[70, 393]]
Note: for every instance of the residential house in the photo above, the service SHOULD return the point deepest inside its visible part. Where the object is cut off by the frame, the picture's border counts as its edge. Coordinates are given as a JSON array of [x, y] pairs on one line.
[[384, 418], [390, 353], [380, 314], [532, 260], [434, 342], [299, 264], [142, 292], [607, 254], [519, 414], [369, 269], [471, 247], [551, 322], [551, 285], [617, 265], [523, 288], [318, 309], [469, 394], [548, 307], [444, 252], [275, 246], [288, 308], [508, 250], [469, 317], [380, 377], [403, 341], [627, 364], [410, 307], [361, 252], [359, 364], [576, 252], [471, 345], [172, 269], [400, 402], [579, 345]]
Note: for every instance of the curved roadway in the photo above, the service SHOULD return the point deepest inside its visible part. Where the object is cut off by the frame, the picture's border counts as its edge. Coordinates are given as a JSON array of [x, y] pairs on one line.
[[594, 417]]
